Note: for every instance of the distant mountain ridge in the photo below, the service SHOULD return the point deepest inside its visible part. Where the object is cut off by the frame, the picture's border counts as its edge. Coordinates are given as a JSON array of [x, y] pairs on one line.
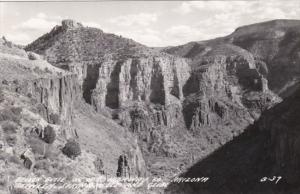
[[73, 42], [275, 43]]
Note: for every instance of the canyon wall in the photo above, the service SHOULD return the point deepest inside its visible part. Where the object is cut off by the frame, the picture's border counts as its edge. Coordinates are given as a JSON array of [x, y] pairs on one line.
[[169, 102]]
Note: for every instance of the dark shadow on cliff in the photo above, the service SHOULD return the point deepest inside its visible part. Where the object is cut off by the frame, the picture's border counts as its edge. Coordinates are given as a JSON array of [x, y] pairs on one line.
[[239, 165], [90, 82], [157, 95], [112, 96]]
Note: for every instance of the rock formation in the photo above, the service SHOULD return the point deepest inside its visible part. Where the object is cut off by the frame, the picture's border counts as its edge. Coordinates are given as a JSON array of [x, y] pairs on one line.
[[269, 148], [40, 108], [123, 167], [163, 99], [155, 110], [273, 42]]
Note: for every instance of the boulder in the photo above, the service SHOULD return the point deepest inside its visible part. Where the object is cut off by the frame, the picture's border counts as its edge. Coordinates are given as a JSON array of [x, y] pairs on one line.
[[28, 159], [33, 56], [123, 167]]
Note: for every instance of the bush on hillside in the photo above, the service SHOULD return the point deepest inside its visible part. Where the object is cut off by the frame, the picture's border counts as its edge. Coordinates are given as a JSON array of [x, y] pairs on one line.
[[37, 145], [72, 149], [49, 135], [11, 114], [99, 165], [11, 139], [1, 95], [18, 191], [9, 127], [54, 118]]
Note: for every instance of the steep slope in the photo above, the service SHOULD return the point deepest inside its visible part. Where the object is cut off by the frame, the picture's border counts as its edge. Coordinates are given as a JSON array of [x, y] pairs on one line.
[[41, 111], [36, 109], [268, 148], [168, 102], [278, 47]]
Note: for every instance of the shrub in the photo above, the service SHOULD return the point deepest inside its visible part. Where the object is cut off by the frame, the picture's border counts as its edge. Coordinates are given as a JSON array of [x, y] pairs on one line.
[[51, 153], [47, 70], [16, 81], [38, 70], [32, 56], [3, 155], [3, 180], [72, 149], [18, 191], [49, 135], [4, 82], [14, 159], [99, 165], [11, 114], [16, 110], [54, 118], [36, 145], [42, 165], [11, 140], [1, 95], [63, 191], [9, 127]]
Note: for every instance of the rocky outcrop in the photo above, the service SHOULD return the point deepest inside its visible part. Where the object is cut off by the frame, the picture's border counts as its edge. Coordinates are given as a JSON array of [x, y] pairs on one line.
[[264, 158], [273, 43], [54, 91], [277, 47], [156, 80], [219, 91], [282, 125], [70, 24], [213, 95], [43, 105], [55, 98], [7, 47], [123, 167]]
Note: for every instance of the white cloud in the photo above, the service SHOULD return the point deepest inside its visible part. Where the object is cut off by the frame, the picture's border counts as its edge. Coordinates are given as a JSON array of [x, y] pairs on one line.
[[37, 24], [182, 34], [188, 7], [219, 18], [41, 22], [145, 36], [189, 20], [181, 31], [19, 38], [143, 19], [33, 27], [92, 24]]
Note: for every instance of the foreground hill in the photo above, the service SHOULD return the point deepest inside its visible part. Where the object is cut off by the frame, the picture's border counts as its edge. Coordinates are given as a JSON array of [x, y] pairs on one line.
[[46, 129]]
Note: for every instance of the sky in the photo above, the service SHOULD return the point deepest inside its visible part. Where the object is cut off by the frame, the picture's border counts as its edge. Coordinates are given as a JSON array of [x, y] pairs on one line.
[[153, 23]]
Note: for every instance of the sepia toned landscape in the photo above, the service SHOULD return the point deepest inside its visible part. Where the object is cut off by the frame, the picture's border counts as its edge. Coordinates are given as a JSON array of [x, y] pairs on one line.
[[80, 102]]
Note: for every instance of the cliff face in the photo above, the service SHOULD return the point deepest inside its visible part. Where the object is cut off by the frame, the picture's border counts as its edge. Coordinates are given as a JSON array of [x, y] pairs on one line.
[[57, 97], [268, 148], [55, 91], [169, 102], [274, 43], [36, 118], [226, 91], [282, 125], [161, 111], [41, 108], [153, 79]]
